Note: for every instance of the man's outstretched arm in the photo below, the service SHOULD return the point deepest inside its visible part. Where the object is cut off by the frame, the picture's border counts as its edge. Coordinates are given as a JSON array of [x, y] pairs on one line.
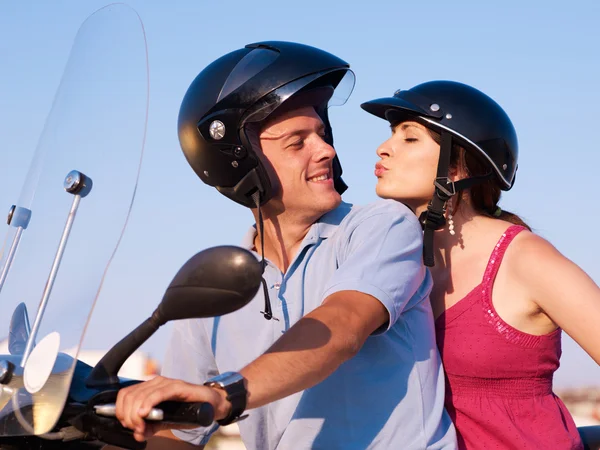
[[304, 356], [314, 347], [163, 440]]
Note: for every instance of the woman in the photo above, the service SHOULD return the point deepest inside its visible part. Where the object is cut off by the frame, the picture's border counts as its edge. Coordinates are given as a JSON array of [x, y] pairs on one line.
[[501, 294]]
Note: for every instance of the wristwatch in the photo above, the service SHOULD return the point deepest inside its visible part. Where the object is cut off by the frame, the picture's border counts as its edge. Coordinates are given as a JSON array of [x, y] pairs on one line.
[[233, 384]]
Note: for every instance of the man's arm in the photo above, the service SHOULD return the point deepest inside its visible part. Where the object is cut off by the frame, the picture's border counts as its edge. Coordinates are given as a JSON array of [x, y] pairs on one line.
[[304, 356], [314, 347], [163, 440]]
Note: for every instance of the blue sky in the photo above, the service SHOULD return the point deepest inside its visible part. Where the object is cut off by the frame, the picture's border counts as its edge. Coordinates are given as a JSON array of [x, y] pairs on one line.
[[539, 60]]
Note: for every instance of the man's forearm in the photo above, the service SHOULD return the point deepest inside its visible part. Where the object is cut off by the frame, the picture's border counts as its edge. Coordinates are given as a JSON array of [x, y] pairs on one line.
[[163, 440], [312, 349], [305, 355]]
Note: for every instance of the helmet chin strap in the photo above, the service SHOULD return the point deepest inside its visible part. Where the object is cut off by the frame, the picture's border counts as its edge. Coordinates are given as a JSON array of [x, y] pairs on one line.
[[434, 217], [268, 312]]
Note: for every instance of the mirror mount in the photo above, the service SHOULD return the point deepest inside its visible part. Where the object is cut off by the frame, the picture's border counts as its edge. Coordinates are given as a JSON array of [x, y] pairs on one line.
[[104, 373]]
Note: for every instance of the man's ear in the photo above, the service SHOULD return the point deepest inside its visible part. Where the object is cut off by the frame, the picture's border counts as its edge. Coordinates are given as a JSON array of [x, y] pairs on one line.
[[253, 131], [270, 170]]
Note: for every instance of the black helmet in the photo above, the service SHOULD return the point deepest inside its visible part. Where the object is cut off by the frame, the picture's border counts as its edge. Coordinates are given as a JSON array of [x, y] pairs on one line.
[[462, 115], [246, 86], [476, 122]]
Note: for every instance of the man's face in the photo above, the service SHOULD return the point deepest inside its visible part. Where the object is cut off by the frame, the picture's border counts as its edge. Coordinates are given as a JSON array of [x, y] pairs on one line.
[[294, 145]]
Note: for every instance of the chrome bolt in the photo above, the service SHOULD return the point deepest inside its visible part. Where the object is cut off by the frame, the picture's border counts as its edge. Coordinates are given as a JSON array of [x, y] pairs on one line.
[[73, 181]]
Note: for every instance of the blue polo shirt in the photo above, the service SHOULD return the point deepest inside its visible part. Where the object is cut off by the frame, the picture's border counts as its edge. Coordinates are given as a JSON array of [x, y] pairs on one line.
[[390, 395]]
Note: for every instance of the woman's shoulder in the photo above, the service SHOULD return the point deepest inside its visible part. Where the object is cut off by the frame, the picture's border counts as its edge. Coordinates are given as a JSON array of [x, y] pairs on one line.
[[530, 257], [528, 247]]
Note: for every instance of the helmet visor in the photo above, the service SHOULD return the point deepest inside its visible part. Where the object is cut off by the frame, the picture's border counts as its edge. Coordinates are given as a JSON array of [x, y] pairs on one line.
[[342, 79]]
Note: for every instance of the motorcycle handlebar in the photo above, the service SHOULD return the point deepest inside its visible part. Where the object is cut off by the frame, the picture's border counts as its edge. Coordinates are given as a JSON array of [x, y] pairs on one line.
[[199, 414]]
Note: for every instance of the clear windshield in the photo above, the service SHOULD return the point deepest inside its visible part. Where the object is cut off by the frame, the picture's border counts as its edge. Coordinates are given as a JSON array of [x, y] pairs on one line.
[[59, 244]]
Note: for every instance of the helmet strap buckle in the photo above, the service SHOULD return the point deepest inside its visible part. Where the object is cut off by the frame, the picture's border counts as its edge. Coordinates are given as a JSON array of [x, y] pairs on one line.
[[444, 188]]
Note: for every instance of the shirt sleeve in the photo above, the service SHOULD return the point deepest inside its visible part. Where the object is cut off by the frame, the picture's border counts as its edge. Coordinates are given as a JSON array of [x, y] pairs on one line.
[[189, 358], [380, 255]]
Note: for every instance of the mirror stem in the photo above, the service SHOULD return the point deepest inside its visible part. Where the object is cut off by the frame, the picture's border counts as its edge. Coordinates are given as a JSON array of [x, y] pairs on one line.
[[105, 372]]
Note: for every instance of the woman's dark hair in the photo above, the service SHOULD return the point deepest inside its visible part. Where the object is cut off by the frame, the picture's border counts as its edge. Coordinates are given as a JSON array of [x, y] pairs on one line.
[[483, 197]]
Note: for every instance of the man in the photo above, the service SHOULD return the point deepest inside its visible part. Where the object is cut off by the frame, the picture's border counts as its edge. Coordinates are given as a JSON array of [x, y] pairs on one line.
[[346, 358]]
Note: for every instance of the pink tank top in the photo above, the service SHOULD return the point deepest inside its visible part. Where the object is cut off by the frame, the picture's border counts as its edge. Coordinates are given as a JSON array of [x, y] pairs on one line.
[[499, 379]]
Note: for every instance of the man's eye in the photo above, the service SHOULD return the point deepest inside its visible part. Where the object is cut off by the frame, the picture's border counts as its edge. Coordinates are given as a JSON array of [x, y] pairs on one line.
[[297, 144], [411, 139]]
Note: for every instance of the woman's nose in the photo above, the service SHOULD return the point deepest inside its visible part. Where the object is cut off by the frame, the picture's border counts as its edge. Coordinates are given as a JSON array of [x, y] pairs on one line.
[[383, 151]]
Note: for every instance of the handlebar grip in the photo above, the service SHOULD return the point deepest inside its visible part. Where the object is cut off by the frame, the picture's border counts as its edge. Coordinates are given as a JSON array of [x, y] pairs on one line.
[[200, 413]]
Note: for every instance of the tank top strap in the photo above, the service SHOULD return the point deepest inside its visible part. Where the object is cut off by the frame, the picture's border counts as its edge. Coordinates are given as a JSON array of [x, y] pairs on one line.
[[498, 253]]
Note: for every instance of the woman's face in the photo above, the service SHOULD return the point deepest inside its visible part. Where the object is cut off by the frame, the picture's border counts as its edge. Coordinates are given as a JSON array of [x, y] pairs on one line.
[[408, 165]]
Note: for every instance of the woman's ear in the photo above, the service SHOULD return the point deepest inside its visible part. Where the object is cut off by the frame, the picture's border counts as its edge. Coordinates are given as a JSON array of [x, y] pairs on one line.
[[458, 170], [453, 173]]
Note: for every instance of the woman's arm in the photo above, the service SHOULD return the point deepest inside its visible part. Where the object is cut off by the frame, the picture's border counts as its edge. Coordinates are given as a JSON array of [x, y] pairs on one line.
[[566, 294]]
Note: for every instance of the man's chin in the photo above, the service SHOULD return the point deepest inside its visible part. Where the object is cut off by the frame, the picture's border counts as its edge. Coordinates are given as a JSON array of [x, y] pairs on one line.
[[324, 205], [336, 199]]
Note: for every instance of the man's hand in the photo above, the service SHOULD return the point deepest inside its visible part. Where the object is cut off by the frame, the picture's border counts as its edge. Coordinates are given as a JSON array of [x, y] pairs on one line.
[[135, 402]]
